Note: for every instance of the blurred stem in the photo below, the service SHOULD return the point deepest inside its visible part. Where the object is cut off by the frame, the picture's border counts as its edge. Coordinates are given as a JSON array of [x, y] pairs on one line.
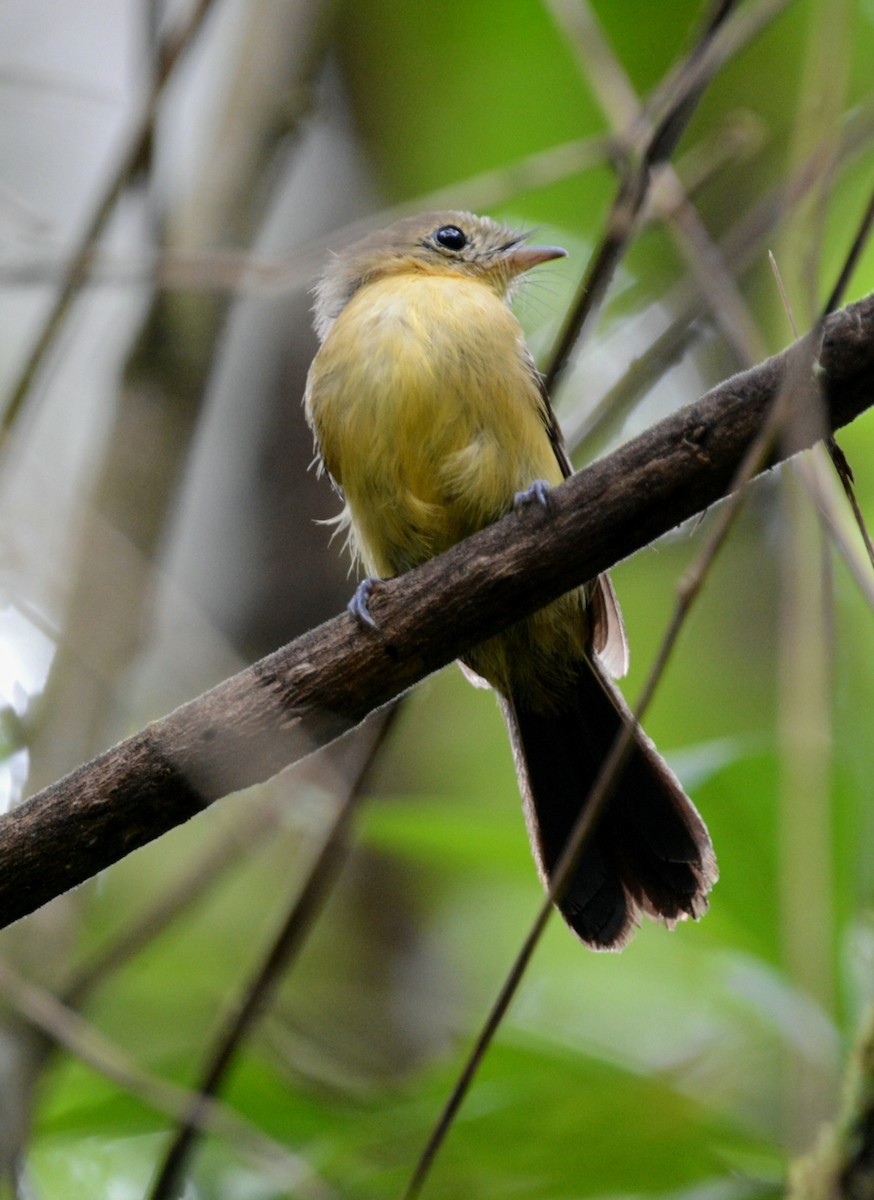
[[114, 579], [804, 814], [806, 661], [657, 145], [842, 1163], [306, 905], [129, 164], [160, 401], [822, 100], [742, 246], [83, 1040], [603, 72]]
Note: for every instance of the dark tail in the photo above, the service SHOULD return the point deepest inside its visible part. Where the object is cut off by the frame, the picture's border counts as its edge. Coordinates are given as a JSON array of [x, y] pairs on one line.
[[649, 852]]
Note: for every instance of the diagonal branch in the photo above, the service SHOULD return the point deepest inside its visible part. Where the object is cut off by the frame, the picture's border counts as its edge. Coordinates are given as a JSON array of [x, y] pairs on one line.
[[311, 691]]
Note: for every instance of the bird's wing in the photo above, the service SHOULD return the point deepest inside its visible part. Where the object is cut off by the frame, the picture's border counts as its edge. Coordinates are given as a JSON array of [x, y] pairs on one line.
[[608, 629]]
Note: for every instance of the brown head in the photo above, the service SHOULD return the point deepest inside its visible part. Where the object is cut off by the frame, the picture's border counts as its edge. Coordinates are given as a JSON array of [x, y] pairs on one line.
[[449, 242]]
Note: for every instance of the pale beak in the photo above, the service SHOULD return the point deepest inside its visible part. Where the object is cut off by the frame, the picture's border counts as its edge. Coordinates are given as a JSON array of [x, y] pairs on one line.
[[523, 258]]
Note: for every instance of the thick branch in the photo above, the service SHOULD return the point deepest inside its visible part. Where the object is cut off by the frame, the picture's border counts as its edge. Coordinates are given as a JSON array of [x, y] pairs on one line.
[[316, 688]]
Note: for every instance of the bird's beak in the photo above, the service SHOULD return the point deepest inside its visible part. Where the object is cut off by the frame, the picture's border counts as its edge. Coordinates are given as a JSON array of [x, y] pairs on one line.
[[523, 258]]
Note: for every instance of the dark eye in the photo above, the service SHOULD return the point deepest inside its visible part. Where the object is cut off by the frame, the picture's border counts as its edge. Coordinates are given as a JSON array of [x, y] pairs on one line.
[[450, 237]]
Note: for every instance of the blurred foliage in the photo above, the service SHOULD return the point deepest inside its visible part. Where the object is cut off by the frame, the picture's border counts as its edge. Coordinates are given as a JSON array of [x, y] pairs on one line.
[[697, 1062]]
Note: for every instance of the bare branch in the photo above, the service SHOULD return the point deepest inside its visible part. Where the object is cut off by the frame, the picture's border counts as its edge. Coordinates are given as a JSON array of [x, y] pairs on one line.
[[314, 689]]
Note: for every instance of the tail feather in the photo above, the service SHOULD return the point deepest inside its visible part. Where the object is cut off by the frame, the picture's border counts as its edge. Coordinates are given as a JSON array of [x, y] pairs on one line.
[[649, 851]]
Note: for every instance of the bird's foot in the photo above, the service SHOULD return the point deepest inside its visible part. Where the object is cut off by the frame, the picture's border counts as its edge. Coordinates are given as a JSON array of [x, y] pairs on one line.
[[358, 605], [537, 493]]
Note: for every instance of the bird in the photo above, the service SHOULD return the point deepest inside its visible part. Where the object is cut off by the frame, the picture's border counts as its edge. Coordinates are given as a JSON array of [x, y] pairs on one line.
[[432, 421]]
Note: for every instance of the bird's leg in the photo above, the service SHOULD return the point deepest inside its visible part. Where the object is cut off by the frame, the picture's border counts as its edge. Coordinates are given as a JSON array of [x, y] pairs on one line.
[[358, 605], [537, 493]]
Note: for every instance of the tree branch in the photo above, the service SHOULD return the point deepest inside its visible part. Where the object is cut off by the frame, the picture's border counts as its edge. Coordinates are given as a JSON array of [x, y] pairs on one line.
[[316, 688]]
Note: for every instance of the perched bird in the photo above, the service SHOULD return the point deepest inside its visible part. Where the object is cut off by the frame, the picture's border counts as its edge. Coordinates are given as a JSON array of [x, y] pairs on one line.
[[432, 421]]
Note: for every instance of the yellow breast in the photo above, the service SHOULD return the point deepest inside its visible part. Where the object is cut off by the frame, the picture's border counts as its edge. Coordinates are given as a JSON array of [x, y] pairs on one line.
[[427, 414]]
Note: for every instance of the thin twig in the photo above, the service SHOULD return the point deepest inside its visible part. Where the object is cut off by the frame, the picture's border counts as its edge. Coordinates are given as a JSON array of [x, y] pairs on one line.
[[740, 247], [667, 197], [306, 905], [845, 474], [817, 485], [306, 694], [839, 459], [852, 260], [686, 86], [130, 159], [192, 887], [85, 1042], [593, 805], [816, 473], [243, 272], [797, 391]]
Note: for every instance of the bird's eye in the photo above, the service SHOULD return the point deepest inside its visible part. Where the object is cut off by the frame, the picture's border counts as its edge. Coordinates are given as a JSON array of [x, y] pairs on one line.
[[450, 237]]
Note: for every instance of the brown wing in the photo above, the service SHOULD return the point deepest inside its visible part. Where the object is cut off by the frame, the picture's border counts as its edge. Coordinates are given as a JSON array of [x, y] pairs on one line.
[[553, 430], [608, 629]]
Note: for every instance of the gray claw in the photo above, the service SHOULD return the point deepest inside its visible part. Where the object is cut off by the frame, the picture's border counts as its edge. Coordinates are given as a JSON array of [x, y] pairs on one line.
[[537, 493], [358, 605]]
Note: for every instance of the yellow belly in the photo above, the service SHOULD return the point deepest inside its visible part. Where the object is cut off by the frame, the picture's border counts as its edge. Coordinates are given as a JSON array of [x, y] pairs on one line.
[[428, 415]]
